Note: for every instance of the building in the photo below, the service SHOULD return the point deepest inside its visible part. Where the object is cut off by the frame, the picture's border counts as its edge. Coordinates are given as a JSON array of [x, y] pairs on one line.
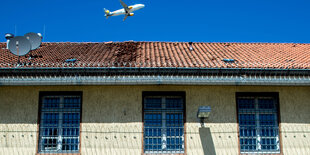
[[129, 98]]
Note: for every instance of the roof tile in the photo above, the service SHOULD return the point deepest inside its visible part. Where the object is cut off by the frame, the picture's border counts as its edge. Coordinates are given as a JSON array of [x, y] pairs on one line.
[[163, 54]]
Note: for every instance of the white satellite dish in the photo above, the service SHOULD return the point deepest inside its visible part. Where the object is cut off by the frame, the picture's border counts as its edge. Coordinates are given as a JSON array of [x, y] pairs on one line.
[[35, 39], [19, 45]]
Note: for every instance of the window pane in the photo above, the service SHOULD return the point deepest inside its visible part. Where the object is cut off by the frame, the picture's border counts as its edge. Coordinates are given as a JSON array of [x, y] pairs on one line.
[[153, 124], [71, 119], [153, 144], [247, 119], [50, 144], [49, 132], [153, 103], [248, 131], [246, 104], [174, 124], [174, 103], [153, 132], [266, 104], [152, 119], [269, 131], [174, 119], [269, 144], [51, 102], [70, 131], [248, 144], [70, 144], [177, 131], [71, 102], [267, 119], [174, 143], [50, 119]]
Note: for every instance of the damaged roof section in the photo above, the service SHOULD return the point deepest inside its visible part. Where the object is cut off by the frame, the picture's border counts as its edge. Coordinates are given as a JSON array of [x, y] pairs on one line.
[[162, 55]]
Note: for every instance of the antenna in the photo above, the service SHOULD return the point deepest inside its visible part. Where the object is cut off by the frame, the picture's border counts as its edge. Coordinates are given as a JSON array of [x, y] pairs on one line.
[[44, 33], [35, 39]]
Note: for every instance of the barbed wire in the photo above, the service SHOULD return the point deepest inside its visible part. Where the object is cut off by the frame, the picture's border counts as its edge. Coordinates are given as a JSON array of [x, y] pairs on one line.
[[237, 64]]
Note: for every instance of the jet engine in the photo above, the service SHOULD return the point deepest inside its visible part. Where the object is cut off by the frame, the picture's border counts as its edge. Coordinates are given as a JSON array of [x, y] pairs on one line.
[[131, 14]]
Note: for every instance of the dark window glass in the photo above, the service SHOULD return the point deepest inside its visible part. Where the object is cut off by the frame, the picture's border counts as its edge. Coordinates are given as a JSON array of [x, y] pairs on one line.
[[51, 102], [153, 103], [174, 103]]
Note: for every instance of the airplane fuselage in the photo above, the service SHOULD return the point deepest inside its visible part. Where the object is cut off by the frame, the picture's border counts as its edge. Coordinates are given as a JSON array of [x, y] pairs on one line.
[[123, 12]]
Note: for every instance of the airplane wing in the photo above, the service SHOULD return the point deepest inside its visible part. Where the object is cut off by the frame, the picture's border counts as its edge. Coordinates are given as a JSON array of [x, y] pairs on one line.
[[125, 7], [125, 17]]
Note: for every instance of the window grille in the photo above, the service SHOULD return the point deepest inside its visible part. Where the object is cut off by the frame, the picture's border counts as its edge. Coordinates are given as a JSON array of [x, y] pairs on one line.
[[163, 124], [258, 124], [60, 124]]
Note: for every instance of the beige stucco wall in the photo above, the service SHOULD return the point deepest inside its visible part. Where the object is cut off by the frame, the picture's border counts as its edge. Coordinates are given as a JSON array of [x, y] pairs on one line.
[[112, 118]]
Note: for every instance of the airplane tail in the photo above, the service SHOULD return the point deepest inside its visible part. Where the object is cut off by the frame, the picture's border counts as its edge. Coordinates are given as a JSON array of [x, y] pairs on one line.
[[107, 13]]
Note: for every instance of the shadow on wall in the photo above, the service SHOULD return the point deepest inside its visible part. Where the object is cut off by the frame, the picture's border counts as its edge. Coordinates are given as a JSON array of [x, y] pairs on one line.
[[123, 104], [206, 141]]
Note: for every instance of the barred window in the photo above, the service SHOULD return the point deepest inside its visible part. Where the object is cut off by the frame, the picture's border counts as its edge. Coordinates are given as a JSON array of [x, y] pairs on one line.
[[163, 124], [59, 123], [258, 124]]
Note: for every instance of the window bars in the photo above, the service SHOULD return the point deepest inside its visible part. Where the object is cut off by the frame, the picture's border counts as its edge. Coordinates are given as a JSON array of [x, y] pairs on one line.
[[60, 124], [163, 124], [258, 124]]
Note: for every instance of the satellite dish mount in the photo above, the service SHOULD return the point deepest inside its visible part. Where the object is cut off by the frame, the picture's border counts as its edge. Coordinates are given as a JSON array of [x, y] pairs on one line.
[[21, 45]]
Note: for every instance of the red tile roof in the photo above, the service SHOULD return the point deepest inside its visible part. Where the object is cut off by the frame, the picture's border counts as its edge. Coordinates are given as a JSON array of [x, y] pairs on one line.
[[164, 54]]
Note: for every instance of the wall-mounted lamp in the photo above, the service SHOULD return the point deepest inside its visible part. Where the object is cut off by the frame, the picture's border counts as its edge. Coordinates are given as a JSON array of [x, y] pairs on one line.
[[203, 113]]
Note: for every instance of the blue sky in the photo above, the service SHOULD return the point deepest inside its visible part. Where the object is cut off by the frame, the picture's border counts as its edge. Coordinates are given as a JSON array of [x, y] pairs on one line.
[[160, 20]]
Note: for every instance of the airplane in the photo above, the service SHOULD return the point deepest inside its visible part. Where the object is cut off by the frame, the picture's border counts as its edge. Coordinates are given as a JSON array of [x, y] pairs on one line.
[[127, 11]]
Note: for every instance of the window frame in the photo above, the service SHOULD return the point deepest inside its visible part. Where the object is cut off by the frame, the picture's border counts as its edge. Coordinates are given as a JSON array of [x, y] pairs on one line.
[[180, 94], [275, 96], [62, 94]]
